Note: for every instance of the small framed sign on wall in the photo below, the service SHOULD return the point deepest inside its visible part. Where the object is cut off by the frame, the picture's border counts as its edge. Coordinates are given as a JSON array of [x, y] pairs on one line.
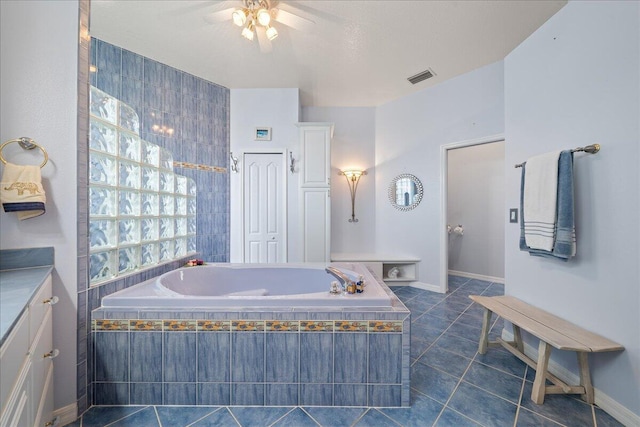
[[263, 134]]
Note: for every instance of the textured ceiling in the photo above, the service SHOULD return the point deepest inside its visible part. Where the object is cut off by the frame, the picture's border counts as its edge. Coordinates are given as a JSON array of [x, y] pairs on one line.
[[355, 53]]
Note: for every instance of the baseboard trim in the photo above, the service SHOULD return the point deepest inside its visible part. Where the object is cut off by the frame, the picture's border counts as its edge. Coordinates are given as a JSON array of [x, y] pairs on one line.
[[66, 414], [425, 286], [477, 276], [604, 401]]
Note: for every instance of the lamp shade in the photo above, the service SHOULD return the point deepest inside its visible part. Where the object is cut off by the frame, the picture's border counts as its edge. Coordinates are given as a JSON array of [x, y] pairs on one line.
[[272, 33], [239, 17], [264, 18]]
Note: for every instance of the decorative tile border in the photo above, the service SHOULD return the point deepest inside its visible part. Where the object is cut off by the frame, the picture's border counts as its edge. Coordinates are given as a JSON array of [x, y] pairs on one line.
[[384, 326], [350, 326], [207, 168], [247, 325], [145, 325], [214, 325]]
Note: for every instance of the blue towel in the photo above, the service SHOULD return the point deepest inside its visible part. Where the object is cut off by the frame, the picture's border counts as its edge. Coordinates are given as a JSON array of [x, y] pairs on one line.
[[564, 246]]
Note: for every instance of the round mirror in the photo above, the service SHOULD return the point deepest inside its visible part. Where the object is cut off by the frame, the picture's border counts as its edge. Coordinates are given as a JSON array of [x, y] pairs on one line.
[[405, 192]]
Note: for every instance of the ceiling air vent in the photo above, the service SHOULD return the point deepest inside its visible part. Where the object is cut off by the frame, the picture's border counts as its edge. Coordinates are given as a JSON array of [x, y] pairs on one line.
[[424, 75]]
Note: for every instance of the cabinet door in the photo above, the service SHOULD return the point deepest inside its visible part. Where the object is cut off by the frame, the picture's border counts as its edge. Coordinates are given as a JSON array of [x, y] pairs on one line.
[[315, 152], [316, 224]]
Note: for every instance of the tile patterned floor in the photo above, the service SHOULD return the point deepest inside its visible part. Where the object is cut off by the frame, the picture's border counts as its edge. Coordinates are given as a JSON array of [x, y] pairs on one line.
[[452, 385]]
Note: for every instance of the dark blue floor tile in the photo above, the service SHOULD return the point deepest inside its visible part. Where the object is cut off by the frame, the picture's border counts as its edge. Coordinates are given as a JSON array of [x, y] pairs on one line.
[[99, 416], [502, 360], [482, 407], [374, 418], [430, 298], [258, 416], [147, 417], [458, 345], [424, 332], [605, 420], [450, 418], [432, 382], [220, 418], [417, 307], [565, 409], [335, 417], [529, 419], [181, 415], [448, 362], [418, 346], [423, 412], [497, 382], [454, 282], [465, 331], [429, 321], [471, 321], [76, 423], [296, 418]]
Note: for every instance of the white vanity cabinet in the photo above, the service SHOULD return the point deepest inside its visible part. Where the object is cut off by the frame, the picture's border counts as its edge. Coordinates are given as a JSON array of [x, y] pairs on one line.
[[26, 365], [315, 194]]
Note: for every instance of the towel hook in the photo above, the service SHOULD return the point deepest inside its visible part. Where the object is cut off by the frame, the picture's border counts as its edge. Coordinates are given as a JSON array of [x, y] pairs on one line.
[[27, 144]]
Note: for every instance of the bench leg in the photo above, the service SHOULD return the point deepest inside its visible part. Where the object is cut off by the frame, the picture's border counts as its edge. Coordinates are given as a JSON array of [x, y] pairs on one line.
[[585, 376], [484, 335], [537, 394], [517, 337]]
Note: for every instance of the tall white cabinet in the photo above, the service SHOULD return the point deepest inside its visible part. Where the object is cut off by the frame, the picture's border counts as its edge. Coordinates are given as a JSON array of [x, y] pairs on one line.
[[315, 193]]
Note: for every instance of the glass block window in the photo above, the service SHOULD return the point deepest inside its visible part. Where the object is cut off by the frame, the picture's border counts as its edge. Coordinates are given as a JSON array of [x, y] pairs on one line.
[[140, 212]]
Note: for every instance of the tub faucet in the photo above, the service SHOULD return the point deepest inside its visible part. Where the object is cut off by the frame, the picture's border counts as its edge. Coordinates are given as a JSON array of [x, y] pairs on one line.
[[343, 278]]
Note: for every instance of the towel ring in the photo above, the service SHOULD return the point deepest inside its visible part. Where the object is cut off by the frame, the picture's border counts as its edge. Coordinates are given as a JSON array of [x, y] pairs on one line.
[[27, 144]]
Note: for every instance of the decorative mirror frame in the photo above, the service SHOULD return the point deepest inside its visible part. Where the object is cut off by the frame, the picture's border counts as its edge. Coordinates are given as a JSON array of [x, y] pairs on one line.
[[417, 198]]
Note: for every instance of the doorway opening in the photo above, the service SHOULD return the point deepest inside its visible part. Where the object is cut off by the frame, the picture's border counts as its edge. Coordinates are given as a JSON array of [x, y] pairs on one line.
[[472, 219]]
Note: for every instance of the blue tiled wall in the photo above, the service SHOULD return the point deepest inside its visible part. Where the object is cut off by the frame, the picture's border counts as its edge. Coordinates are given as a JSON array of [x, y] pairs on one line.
[[245, 362], [198, 113]]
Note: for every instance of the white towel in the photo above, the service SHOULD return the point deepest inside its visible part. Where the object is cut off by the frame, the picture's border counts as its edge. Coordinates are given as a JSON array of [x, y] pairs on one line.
[[21, 190], [540, 200]]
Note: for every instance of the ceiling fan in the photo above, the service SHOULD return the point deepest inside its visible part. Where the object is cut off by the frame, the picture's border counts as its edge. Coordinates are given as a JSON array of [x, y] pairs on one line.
[[256, 17]]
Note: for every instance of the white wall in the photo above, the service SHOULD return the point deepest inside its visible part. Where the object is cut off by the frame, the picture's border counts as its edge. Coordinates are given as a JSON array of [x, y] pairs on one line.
[[352, 147], [278, 109], [38, 82], [409, 133], [575, 82], [475, 199]]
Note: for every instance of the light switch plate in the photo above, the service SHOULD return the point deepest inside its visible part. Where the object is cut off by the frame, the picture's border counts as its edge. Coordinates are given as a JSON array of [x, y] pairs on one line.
[[513, 215]]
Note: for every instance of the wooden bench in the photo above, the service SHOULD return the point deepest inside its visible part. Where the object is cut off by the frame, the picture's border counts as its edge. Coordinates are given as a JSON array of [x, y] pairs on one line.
[[552, 332]]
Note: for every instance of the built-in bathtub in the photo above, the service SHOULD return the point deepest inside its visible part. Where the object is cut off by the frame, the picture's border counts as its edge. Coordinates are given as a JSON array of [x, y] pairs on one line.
[[250, 285], [203, 336]]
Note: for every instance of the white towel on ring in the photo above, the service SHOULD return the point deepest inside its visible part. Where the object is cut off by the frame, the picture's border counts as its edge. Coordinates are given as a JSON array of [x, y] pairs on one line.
[[21, 190], [540, 200]]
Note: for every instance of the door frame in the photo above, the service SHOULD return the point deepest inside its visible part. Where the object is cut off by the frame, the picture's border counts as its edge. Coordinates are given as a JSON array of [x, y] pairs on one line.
[[444, 185], [285, 196]]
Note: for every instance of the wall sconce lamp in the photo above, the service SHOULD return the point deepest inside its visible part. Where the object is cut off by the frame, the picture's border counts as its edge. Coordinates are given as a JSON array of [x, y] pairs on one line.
[[234, 163], [353, 177]]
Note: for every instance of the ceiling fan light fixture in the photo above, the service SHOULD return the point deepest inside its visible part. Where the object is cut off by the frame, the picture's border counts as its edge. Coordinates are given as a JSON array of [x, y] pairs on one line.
[[239, 17], [247, 32], [272, 33], [264, 17]]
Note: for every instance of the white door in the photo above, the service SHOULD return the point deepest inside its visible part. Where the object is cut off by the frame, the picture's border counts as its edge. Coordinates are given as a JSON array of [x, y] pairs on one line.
[[264, 215]]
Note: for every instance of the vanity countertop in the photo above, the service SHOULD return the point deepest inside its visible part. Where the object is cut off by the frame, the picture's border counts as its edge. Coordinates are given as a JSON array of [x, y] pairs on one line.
[[19, 285]]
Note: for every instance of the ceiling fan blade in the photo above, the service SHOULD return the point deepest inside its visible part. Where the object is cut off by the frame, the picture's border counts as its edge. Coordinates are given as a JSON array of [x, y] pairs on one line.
[[291, 20], [263, 40], [220, 16]]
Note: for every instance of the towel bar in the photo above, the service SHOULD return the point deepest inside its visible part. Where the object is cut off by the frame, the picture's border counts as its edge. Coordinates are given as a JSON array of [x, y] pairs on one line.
[[27, 144], [591, 149]]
